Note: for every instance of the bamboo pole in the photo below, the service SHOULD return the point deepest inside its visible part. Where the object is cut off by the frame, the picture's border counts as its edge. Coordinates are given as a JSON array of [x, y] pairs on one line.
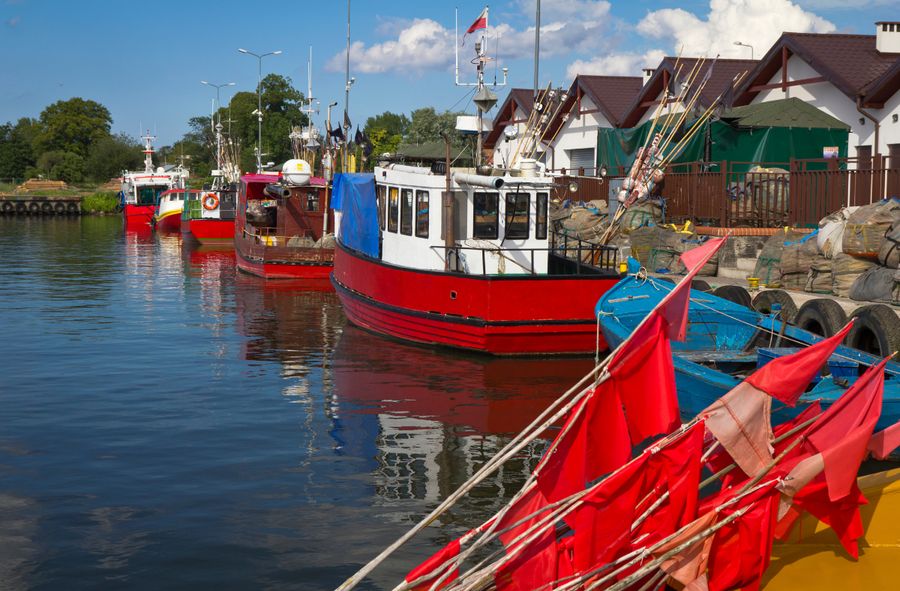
[[527, 132], [546, 127]]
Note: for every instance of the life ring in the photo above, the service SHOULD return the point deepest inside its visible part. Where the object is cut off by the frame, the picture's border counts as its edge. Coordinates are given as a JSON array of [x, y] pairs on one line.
[[210, 202]]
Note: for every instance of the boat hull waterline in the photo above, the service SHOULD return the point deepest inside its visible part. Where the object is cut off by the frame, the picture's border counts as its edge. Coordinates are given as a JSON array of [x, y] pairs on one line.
[[509, 315]]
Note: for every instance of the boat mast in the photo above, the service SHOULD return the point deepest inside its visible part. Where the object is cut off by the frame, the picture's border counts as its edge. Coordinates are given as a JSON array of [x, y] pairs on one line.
[[148, 151]]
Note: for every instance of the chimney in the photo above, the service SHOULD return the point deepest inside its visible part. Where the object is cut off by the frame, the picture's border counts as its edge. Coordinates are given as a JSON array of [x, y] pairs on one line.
[[648, 72], [887, 37]]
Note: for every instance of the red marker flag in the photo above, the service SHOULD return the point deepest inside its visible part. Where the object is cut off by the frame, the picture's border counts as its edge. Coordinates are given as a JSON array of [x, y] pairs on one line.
[[674, 307], [480, 22], [786, 378], [884, 442]]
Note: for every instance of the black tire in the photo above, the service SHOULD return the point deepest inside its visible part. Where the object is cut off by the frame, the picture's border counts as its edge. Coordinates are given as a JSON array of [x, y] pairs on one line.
[[876, 330], [72, 208], [46, 208], [734, 293], [20, 207], [700, 285], [34, 208], [764, 300], [59, 208], [7, 207], [821, 316]]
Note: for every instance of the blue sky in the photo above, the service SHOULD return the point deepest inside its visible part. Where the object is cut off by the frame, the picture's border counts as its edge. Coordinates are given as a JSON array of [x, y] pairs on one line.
[[144, 60]]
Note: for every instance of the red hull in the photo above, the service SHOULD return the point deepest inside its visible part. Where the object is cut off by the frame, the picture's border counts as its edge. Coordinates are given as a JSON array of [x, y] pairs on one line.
[[307, 274], [136, 215], [170, 223], [212, 230], [511, 315]]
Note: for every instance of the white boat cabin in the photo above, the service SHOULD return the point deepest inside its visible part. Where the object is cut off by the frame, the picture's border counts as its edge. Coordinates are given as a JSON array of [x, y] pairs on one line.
[[499, 226]]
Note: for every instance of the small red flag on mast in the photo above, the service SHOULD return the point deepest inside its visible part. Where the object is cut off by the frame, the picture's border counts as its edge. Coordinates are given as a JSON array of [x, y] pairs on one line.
[[480, 22]]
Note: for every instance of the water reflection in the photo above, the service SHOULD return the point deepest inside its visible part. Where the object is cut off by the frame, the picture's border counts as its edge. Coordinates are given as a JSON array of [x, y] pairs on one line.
[[169, 422]]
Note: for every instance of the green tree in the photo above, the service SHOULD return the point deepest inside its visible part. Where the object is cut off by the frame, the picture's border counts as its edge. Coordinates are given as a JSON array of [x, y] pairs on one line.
[[61, 165], [72, 126], [427, 125], [383, 142], [16, 154], [392, 123], [111, 155]]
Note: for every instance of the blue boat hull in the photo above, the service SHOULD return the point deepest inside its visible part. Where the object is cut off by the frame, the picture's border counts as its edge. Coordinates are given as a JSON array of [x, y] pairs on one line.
[[726, 335]]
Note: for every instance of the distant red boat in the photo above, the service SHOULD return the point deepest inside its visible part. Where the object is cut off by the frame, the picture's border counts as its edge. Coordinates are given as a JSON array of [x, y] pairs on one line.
[[281, 228], [497, 286], [208, 216], [168, 211], [141, 190]]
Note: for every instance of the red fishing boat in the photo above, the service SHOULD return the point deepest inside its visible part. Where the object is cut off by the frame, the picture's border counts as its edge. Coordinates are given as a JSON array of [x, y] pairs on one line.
[[490, 280], [281, 226], [141, 190], [208, 216]]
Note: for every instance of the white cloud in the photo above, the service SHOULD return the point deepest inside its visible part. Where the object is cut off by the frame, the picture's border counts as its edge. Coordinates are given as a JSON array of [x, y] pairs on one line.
[[616, 64], [756, 22], [424, 44]]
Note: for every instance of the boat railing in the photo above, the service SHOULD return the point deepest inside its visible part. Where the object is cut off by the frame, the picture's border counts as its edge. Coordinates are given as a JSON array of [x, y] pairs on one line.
[[268, 236], [584, 251], [585, 258]]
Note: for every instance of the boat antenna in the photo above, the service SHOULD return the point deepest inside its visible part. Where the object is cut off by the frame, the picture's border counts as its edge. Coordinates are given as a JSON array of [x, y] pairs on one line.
[[537, 46], [347, 84], [484, 99]]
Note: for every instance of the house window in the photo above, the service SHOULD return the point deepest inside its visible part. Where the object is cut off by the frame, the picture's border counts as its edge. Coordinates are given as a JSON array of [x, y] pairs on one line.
[[422, 214], [540, 222], [581, 161], [393, 208], [406, 211], [517, 205], [485, 215], [379, 200]]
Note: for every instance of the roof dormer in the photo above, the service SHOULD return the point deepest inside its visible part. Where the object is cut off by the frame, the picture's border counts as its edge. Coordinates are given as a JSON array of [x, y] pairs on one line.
[[887, 36]]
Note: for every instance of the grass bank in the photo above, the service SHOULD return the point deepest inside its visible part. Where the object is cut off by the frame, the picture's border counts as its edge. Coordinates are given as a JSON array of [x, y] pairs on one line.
[[99, 203]]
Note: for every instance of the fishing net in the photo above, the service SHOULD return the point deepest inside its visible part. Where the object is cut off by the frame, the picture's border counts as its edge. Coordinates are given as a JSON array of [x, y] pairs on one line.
[[646, 213], [889, 252], [819, 278], [867, 226], [875, 285], [659, 250], [768, 263], [846, 268], [797, 258]]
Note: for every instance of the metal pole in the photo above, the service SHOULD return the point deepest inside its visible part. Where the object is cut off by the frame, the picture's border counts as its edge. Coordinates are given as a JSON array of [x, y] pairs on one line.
[[259, 116], [346, 127], [537, 47]]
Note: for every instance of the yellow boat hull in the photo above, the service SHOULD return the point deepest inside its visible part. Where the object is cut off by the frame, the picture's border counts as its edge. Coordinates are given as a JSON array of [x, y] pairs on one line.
[[814, 559]]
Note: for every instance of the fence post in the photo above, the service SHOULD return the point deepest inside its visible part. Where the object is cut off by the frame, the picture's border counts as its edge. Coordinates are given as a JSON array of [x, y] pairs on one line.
[[723, 194]]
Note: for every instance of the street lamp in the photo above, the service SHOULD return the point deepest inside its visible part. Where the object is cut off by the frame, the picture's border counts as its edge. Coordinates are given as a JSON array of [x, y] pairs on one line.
[[745, 45], [259, 57], [218, 125]]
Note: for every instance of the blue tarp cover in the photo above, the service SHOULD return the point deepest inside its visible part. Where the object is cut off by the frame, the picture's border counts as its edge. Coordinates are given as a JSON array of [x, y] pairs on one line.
[[354, 196]]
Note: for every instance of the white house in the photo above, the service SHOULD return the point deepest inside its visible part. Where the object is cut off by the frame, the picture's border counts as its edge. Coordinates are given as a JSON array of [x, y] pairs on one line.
[[593, 102], [854, 78], [514, 112]]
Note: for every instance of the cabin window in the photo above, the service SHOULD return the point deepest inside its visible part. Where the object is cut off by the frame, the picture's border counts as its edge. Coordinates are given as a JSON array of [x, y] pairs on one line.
[[540, 220], [485, 215], [517, 205], [379, 200], [393, 208], [422, 214], [406, 211], [312, 201]]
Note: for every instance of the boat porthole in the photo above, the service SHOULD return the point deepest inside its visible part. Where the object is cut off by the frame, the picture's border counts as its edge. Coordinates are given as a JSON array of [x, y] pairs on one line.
[[452, 295]]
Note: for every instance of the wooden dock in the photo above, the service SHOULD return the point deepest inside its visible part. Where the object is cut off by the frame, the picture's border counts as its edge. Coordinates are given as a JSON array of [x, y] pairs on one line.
[[18, 204]]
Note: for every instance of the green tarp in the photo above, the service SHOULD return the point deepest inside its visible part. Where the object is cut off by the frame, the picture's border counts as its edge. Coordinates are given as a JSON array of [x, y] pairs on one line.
[[770, 133]]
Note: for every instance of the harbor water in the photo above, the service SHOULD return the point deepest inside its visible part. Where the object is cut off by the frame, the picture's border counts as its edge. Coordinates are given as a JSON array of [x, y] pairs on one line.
[[169, 423]]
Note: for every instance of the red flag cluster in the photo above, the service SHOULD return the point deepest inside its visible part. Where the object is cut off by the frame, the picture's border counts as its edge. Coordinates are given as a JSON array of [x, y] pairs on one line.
[[567, 524]]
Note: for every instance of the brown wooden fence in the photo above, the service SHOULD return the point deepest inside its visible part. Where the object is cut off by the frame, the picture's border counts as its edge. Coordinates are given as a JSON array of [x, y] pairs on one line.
[[797, 193]]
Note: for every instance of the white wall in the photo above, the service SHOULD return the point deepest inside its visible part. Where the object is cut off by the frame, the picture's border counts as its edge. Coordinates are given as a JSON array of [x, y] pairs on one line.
[[828, 98], [505, 149], [578, 132]]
